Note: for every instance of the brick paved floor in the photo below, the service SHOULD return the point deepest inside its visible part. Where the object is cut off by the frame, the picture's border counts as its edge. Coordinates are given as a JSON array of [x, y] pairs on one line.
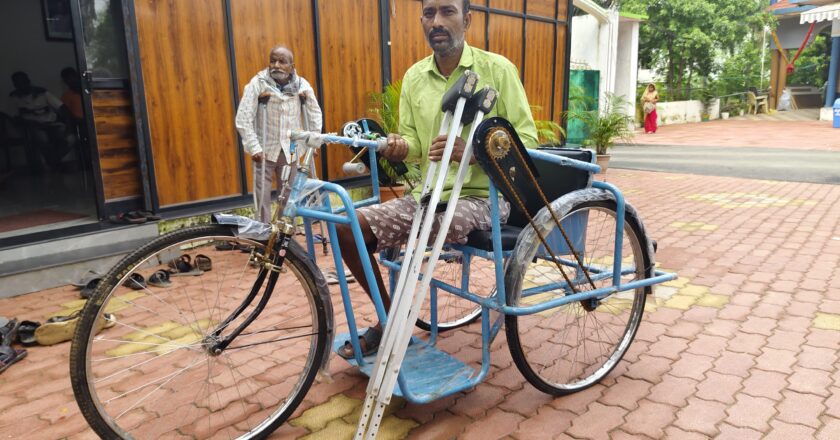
[[743, 345], [805, 135]]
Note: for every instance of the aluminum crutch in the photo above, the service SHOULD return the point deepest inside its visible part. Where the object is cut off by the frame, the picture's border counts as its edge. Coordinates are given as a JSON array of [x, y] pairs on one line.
[[395, 330]]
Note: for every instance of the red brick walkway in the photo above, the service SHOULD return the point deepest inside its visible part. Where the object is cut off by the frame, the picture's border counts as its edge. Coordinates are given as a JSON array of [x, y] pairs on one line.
[[744, 345], [806, 135]]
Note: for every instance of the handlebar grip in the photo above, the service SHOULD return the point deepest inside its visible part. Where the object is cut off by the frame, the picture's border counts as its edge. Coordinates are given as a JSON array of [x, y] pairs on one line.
[[356, 168], [315, 139]]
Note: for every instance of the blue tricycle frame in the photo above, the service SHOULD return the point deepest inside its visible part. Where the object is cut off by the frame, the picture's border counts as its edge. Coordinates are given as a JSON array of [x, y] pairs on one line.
[[416, 382]]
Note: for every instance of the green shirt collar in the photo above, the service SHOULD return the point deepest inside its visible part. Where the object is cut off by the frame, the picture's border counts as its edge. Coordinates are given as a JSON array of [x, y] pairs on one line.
[[466, 61]]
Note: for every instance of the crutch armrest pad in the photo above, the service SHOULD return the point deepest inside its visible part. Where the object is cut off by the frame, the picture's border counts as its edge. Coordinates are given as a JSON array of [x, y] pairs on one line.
[[463, 88]]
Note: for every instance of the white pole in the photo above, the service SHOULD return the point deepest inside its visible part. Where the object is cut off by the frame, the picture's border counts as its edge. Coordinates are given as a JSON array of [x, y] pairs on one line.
[[763, 53]]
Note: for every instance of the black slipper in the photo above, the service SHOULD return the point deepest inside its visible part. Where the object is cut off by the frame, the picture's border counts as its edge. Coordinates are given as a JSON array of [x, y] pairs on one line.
[[8, 332], [26, 333], [226, 246], [89, 288], [127, 218], [203, 263], [87, 278], [371, 337], [160, 279], [135, 281], [148, 214], [9, 356]]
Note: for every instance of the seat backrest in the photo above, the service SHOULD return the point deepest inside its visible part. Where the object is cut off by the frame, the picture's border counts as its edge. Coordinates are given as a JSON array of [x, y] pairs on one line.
[[554, 181], [751, 98]]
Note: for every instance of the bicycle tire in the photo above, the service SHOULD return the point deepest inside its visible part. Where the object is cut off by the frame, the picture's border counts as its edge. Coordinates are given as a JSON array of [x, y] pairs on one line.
[[266, 393], [538, 346]]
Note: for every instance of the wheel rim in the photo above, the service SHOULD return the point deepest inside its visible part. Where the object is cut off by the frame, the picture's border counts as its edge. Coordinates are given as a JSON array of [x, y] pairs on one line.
[[152, 374], [452, 310], [573, 346]]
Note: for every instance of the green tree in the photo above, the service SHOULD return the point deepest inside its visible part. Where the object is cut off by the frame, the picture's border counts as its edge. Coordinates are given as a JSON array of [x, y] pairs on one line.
[[683, 39], [812, 64]]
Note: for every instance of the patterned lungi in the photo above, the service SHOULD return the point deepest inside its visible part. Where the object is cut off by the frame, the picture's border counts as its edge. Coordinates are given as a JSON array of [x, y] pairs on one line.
[[391, 221]]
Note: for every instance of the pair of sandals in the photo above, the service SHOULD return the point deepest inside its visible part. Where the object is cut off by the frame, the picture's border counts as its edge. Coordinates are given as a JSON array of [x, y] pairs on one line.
[[232, 246], [133, 217], [186, 266], [332, 276], [14, 331]]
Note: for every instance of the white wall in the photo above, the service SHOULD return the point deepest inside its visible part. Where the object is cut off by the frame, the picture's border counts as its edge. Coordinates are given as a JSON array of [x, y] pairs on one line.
[[25, 47], [627, 63], [585, 38], [680, 112]]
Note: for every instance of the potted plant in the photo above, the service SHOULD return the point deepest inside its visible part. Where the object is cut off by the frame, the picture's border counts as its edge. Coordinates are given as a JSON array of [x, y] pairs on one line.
[[604, 126], [548, 131], [394, 178], [729, 109]]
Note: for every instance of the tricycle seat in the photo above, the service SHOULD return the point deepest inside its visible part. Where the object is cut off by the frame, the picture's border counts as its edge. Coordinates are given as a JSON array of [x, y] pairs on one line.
[[554, 180]]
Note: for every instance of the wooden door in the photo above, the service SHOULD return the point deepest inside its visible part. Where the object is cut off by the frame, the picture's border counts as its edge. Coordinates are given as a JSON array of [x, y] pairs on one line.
[[187, 80], [351, 61]]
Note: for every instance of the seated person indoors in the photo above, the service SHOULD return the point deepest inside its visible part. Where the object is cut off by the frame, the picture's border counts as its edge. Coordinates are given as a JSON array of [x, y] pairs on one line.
[[38, 111], [72, 97], [387, 225]]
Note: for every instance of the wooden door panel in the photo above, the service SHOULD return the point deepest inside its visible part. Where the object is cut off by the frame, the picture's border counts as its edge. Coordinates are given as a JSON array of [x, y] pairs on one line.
[[538, 58], [408, 44], [543, 8], [351, 67], [189, 102], [506, 37], [560, 73], [116, 139]]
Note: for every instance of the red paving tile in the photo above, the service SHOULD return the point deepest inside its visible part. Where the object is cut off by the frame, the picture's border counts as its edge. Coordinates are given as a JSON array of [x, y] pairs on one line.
[[800, 135], [754, 366]]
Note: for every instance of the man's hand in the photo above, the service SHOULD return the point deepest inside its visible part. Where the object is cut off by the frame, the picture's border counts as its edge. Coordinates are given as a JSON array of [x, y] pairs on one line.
[[257, 157], [397, 149], [439, 144]]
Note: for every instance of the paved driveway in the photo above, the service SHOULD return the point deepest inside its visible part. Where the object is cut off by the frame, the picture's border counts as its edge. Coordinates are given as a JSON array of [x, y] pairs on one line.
[[743, 345]]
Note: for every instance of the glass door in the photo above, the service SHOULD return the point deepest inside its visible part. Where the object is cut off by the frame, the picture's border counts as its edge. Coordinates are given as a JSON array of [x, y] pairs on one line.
[[46, 176]]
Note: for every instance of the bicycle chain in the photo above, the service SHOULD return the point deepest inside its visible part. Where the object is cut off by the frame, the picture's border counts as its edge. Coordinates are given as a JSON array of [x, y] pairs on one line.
[[498, 144]]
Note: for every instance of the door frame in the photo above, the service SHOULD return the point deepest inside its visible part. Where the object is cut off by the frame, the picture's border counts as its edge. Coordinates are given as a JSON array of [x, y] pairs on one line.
[[87, 107]]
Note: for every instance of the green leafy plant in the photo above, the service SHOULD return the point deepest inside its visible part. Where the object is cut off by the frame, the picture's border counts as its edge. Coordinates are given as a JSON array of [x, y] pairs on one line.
[[384, 108], [606, 125], [548, 131]]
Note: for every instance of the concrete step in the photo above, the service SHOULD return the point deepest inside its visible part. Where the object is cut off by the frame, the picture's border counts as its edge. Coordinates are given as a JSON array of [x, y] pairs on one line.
[[59, 262]]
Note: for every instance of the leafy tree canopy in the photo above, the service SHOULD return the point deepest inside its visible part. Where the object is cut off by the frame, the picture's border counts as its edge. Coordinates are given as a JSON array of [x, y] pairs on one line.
[[685, 39]]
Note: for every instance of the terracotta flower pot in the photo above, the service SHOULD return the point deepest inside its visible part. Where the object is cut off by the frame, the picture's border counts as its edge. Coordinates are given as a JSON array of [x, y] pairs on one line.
[[390, 192], [602, 160]]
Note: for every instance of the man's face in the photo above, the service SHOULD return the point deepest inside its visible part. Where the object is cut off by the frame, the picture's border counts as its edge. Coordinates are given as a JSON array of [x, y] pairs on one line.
[[444, 24], [281, 64]]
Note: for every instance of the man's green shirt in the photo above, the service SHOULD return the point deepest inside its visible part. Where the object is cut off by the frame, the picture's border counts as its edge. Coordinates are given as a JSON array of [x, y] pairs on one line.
[[420, 116]]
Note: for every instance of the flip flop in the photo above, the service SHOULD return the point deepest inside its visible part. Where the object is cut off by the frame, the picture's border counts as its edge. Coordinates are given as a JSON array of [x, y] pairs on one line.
[[203, 263], [89, 288], [26, 333], [332, 277], [226, 246], [9, 356], [8, 332], [148, 214], [160, 279], [182, 266], [371, 337], [135, 281], [127, 218], [86, 278], [61, 328]]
